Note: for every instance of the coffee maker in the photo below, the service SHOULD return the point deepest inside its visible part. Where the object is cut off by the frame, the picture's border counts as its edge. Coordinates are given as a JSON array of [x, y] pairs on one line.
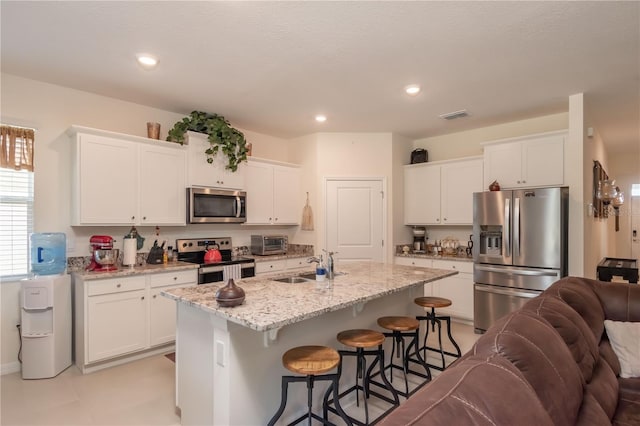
[[419, 239], [103, 256]]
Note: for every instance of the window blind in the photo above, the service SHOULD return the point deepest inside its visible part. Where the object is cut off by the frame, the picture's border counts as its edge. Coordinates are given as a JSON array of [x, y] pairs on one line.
[[16, 221]]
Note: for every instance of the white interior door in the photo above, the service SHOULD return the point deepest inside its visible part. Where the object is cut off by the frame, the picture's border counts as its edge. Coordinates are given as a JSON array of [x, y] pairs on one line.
[[354, 225]]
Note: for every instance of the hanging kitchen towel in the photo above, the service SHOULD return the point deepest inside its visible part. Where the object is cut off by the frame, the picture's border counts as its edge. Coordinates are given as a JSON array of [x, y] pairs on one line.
[[307, 217], [231, 271]]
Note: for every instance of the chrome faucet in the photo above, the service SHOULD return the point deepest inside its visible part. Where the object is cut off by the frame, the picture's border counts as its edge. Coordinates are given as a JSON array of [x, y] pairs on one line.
[[314, 259], [330, 254]]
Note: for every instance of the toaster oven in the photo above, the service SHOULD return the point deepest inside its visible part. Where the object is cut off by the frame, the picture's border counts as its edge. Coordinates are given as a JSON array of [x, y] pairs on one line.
[[264, 245]]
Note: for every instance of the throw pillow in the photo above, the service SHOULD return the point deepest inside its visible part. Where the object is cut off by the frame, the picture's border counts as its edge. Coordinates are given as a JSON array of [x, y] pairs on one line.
[[625, 340]]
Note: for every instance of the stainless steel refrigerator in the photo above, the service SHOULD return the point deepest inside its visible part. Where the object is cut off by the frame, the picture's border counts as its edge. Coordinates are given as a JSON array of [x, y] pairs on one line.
[[520, 248]]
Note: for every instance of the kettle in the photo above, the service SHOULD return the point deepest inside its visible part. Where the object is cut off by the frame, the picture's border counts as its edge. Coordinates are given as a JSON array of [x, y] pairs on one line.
[[213, 255]]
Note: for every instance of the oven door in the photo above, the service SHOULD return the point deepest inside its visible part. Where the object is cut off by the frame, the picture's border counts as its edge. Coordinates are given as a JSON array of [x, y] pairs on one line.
[[215, 273], [212, 205]]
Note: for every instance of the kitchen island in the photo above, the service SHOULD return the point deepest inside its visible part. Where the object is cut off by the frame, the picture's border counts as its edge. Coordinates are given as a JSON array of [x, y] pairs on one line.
[[228, 360]]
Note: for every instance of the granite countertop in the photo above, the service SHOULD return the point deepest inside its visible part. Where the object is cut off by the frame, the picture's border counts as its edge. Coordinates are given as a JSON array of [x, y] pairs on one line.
[[431, 256], [270, 304], [124, 271]]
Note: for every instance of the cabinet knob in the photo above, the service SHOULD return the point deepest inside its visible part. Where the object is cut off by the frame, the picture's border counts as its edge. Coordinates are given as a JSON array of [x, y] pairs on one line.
[[144, 218], [524, 181], [445, 219], [221, 182], [437, 220], [269, 218], [276, 219], [133, 217], [175, 278], [454, 266], [142, 298], [154, 296], [119, 285], [518, 181]]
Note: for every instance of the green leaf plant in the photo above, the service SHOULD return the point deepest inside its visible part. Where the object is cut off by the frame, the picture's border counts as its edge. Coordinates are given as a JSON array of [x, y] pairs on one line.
[[222, 137]]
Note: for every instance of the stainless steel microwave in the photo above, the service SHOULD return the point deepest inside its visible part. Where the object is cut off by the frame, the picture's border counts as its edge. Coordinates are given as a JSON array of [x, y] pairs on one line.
[[215, 205]]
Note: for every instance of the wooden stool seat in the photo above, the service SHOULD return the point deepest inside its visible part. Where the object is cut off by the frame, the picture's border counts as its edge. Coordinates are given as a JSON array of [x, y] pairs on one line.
[[399, 323], [432, 302], [310, 360], [360, 338]]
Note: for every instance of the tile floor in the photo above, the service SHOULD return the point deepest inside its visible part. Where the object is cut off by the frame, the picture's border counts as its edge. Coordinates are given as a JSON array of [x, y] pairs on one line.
[[138, 393]]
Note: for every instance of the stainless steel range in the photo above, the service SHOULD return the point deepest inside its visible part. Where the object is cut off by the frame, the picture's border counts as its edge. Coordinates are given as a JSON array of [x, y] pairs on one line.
[[194, 250]]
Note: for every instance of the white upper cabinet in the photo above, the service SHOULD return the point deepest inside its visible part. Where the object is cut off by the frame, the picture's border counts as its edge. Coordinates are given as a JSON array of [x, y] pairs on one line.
[[531, 161], [459, 180], [440, 193], [162, 192], [202, 173], [125, 180], [273, 193], [422, 194]]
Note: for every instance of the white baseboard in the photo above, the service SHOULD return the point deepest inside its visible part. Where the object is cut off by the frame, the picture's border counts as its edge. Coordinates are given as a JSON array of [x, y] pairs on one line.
[[9, 368]]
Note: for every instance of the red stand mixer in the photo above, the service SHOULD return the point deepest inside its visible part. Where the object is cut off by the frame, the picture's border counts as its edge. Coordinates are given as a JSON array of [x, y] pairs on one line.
[[103, 256]]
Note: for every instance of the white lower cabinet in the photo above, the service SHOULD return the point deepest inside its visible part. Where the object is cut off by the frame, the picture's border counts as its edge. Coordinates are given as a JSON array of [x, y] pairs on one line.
[[116, 317], [458, 289], [294, 264], [116, 324], [271, 266]]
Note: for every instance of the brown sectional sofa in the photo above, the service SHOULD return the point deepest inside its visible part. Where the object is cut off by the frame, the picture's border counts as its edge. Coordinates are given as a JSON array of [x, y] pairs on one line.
[[549, 363]]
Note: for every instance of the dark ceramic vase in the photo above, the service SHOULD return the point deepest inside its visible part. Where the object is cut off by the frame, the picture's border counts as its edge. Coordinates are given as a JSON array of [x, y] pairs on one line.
[[230, 295]]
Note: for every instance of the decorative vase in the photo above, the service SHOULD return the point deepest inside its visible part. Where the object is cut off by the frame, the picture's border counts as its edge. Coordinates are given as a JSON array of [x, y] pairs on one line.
[[230, 295]]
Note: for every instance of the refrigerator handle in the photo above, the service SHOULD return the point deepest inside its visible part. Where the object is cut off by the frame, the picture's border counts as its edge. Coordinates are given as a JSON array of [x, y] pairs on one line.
[[516, 227], [506, 235]]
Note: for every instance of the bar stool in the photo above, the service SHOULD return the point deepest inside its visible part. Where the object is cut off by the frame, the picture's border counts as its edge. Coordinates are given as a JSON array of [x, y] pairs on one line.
[[311, 361], [364, 342], [433, 319], [402, 327]]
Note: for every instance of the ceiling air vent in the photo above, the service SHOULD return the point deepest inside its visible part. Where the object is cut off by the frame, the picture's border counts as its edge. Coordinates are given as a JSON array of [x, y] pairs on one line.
[[454, 115]]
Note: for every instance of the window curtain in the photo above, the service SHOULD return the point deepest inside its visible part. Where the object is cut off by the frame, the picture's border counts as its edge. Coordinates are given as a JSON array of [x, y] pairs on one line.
[[17, 148]]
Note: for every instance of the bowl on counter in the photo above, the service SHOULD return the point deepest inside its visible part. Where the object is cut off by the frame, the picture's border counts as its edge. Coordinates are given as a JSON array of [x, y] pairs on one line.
[[106, 257]]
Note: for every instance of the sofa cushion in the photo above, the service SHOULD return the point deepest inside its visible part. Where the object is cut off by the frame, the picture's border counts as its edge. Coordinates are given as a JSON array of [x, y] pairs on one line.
[[604, 388], [625, 340], [535, 348], [572, 328], [606, 352], [621, 302], [467, 395], [579, 293]]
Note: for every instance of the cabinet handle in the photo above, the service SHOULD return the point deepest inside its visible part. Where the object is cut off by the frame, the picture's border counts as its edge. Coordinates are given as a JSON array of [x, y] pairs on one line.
[[119, 285]]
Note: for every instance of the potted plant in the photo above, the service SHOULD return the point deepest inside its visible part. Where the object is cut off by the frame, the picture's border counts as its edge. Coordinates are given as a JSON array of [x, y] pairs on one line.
[[222, 137]]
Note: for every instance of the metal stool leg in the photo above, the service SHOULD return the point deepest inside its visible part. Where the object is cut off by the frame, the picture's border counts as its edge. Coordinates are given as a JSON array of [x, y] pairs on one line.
[[283, 402], [459, 353]]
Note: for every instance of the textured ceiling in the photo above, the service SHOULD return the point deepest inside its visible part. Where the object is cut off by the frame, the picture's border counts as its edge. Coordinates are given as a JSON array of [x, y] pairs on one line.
[[271, 66]]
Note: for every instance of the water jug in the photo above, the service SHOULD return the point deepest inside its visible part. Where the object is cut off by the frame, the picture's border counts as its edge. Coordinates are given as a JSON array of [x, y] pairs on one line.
[[48, 253]]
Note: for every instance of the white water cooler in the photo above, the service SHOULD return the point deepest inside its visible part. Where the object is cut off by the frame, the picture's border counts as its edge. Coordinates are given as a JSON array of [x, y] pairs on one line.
[[45, 325]]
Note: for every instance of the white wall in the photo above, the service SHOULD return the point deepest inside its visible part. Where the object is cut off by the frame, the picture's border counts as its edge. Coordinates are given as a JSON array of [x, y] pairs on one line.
[[52, 110], [467, 143], [326, 155]]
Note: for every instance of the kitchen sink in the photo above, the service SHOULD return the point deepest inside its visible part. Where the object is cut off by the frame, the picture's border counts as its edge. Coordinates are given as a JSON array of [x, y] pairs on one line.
[[295, 280], [302, 278]]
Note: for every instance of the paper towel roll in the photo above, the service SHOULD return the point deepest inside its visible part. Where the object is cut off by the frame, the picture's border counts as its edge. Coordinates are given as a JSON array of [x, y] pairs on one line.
[[130, 250]]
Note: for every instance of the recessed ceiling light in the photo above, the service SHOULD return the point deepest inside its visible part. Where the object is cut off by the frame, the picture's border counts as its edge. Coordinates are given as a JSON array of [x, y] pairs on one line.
[[321, 118], [412, 89], [146, 60]]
